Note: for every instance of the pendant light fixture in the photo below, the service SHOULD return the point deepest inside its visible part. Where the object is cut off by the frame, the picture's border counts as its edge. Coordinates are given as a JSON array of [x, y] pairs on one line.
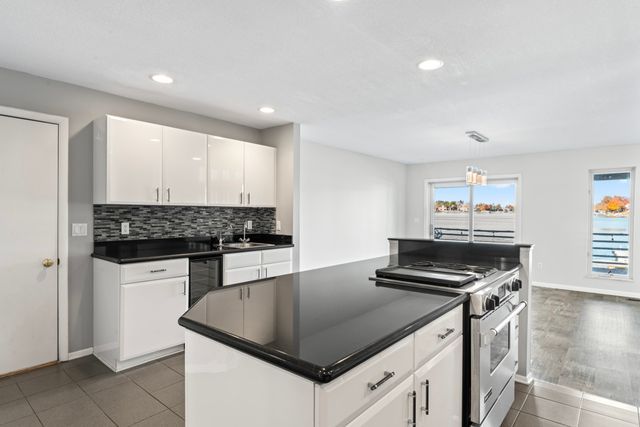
[[473, 174]]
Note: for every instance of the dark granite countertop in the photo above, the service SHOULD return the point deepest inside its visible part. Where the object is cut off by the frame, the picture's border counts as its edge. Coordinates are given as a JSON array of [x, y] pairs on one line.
[[327, 320], [128, 251]]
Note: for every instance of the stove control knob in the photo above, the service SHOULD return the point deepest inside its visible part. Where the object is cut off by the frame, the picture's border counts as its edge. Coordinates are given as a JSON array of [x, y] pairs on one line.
[[516, 285], [491, 302]]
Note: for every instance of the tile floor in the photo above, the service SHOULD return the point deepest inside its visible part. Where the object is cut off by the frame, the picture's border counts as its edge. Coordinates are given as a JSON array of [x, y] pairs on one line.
[[587, 342], [84, 392], [543, 404]]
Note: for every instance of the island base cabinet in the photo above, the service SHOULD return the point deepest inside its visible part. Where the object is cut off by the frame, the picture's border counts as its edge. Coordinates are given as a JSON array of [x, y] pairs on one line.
[[438, 385], [225, 387], [395, 409], [149, 316]]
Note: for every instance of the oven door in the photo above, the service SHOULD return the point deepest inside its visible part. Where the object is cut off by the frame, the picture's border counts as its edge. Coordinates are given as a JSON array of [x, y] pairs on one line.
[[494, 357]]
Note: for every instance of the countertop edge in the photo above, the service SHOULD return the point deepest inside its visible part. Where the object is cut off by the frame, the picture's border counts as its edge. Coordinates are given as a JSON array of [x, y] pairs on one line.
[[426, 239], [315, 373], [188, 254]]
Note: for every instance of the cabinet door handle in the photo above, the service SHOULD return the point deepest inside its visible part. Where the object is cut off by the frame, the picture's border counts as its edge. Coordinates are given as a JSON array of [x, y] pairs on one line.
[[184, 287], [425, 408], [448, 332], [412, 421], [241, 293], [387, 377], [157, 194], [168, 195], [160, 270], [266, 272], [259, 273], [241, 198], [248, 198]]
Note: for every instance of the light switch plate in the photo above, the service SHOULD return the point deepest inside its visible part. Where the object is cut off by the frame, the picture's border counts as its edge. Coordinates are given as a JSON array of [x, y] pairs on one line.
[[278, 226], [78, 229], [249, 225], [124, 228]]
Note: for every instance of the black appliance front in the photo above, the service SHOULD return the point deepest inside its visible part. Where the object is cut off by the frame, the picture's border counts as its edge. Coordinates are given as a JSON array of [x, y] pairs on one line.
[[205, 274]]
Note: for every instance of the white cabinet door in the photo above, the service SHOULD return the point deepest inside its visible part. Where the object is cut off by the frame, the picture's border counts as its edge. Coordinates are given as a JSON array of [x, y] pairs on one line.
[[259, 175], [260, 312], [225, 310], [438, 384], [226, 171], [395, 409], [184, 167], [274, 270], [134, 161], [149, 315], [239, 275]]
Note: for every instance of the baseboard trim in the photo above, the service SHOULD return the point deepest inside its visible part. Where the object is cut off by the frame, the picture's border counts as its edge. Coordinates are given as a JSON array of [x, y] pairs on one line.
[[587, 290], [80, 353]]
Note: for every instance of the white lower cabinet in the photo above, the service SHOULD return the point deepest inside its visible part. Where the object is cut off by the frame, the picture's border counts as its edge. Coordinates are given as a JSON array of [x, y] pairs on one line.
[[438, 385], [278, 269], [136, 308], [247, 266], [240, 275], [394, 409], [149, 313]]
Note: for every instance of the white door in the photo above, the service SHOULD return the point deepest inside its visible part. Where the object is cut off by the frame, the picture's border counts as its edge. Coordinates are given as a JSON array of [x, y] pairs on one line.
[[226, 171], [260, 312], [260, 175], [438, 384], [28, 237], [149, 316], [395, 409], [184, 167], [134, 168]]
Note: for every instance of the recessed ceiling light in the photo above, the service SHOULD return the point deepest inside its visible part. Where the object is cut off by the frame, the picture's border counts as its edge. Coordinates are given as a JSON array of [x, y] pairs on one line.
[[430, 64], [267, 110], [162, 78]]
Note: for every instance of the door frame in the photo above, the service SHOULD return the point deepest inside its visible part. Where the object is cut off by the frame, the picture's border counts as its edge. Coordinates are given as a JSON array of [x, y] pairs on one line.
[[63, 218]]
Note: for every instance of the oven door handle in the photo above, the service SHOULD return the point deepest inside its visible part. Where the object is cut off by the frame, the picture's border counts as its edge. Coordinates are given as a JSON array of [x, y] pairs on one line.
[[517, 310]]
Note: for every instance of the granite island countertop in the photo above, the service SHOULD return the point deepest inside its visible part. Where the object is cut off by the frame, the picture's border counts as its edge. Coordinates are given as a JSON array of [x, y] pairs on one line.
[[328, 320]]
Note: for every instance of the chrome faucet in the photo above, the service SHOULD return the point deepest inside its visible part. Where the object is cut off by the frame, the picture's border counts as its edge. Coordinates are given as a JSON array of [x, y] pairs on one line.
[[220, 238], [244, 233]]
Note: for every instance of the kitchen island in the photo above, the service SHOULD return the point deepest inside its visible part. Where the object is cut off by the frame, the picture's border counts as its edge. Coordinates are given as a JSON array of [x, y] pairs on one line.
[[325, 347]]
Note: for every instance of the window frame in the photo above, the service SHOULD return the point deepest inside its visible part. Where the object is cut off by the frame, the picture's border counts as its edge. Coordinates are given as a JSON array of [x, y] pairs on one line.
[[428, 192], [632, 180]]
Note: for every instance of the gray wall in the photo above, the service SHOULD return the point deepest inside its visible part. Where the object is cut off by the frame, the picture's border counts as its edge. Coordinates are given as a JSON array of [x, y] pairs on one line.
[[82, 106], [284, 138]]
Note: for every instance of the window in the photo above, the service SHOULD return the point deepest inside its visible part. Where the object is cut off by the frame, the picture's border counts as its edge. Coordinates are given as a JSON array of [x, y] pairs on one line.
[[489, 211], [611, 222]]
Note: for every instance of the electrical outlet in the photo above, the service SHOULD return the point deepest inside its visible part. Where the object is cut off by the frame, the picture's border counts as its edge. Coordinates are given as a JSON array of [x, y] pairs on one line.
[[78, 229], [124, 228], [249, 225], [278, 226]]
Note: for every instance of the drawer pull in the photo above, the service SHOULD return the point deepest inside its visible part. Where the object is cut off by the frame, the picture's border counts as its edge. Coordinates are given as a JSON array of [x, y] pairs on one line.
[[160, 270], [387, 377], [446, 334], [425, 408]]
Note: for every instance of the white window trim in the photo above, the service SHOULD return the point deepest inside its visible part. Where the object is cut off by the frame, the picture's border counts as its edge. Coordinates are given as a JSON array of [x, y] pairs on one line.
[[590, 273], [428, 196]]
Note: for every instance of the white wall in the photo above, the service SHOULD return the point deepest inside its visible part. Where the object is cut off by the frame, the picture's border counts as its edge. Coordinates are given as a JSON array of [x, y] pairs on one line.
[[284, 138], [350, 204], [555, 208]]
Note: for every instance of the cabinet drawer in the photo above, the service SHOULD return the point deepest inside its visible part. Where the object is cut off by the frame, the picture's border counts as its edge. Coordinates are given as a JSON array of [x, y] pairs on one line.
[[274, 270], [436, 335], [273, 256], [341, 399], [240, 275], [149, 316], [240, 260], [143, 271]]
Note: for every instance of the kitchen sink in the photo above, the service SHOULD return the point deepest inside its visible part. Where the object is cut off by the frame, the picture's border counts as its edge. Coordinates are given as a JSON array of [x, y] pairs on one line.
[[246, 245]]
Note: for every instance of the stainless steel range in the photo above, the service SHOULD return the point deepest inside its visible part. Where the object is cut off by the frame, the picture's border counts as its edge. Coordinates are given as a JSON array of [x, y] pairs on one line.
[[494, 309]]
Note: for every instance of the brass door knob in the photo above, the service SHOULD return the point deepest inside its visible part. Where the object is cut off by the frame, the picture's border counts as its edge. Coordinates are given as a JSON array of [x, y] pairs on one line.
[[47, 262]]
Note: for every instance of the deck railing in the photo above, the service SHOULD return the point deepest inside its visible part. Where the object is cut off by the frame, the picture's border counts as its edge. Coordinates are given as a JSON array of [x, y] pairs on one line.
[[447, 233], [610, 253]]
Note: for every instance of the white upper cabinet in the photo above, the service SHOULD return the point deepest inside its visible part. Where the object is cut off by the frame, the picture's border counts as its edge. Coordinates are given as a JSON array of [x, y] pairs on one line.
[[127, 161], [226, 171], [184, 167], [142, 163], [259, 175]]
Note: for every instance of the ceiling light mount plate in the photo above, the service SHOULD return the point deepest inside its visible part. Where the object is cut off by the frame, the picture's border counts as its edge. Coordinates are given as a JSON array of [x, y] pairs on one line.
[[430, 64], [267, 110], [161, 78], [476, 136]]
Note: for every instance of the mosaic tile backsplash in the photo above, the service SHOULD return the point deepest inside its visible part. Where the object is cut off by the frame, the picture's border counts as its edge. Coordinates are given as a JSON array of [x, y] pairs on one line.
[[157, 222]]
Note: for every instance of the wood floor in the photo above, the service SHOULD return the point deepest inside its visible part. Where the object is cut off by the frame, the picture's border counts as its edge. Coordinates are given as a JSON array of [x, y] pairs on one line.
[[587, 342]]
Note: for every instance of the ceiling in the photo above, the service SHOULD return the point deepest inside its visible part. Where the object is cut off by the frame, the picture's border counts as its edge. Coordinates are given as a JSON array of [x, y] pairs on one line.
[[534, 75]]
